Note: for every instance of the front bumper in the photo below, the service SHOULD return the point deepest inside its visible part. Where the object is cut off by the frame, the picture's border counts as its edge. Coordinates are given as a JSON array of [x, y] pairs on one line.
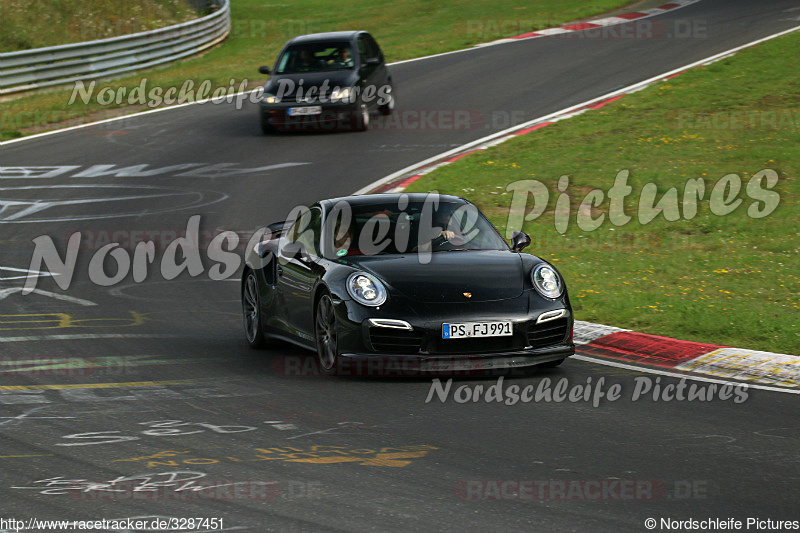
[[331, 116], [422, 350], [384, 365]]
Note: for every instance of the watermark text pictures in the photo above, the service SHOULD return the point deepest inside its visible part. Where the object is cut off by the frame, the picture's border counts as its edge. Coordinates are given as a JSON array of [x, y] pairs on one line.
[[419, 227], [590, 392]]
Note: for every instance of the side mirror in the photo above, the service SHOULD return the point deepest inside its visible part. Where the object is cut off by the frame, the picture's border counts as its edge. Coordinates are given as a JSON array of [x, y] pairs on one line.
[[263, 70], [519, 240]]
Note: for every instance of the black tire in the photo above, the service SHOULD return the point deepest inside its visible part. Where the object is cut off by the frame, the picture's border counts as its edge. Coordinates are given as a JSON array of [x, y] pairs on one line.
[[325, 335], [266, 127], [388, 108], [251, 309], [361, 118]]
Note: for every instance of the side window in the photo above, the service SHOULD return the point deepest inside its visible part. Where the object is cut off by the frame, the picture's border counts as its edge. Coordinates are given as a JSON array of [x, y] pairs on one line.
[[280, 66], [375, 50], [363, 50], [306, 230]]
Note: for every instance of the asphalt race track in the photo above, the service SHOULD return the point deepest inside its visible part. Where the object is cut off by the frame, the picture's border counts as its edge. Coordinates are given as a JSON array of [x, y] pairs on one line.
[[125, 401]]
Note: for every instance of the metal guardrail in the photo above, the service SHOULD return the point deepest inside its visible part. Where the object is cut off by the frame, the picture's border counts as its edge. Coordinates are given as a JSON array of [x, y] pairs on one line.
[[105, 58]]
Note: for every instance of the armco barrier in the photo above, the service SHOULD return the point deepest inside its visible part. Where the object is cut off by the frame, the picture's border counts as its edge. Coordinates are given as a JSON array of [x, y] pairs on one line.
[[103, 58]]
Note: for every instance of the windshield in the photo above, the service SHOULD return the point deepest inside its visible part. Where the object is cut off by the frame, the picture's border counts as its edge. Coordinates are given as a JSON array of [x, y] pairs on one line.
[[420, 227], [315, 57]]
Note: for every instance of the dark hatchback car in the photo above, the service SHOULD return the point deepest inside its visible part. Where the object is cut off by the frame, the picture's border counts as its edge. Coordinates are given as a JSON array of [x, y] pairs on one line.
[[423, 283], [326, 81]]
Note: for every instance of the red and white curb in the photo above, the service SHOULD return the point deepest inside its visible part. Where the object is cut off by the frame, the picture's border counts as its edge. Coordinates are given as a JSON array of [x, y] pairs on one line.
[[778, 370], [597, 23]]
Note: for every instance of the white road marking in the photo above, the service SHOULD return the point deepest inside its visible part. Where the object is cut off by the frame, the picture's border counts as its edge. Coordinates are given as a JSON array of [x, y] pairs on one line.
[[4, 293], [25, 415], [649, 370], [35, 205], [340, 426], [27, 273]]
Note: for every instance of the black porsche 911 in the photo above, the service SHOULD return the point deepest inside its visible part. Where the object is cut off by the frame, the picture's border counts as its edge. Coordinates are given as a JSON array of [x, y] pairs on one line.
[[326, 81], [421, 279]]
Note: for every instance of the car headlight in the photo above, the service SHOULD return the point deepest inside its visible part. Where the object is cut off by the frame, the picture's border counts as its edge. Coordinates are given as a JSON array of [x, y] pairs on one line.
[[271, 98], [366, 289], [547, 281], [341, 94]]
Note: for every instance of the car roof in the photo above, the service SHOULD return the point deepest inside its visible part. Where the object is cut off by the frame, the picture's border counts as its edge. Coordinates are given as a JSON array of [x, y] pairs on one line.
[[327, 36], [368, 199]]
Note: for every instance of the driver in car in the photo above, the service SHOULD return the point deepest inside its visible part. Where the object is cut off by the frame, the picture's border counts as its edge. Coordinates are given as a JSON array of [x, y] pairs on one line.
[[444, 229], [343, 58]]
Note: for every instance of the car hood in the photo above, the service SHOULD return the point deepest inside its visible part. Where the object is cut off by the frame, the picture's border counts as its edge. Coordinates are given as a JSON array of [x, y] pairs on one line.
[[335, 78], [484, 274]]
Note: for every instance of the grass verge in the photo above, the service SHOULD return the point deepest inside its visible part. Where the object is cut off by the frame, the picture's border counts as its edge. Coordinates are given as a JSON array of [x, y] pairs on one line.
[[29, 24], [403, 29], [727, 278]]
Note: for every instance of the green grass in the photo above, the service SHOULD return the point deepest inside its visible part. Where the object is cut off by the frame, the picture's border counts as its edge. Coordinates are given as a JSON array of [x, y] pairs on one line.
[[732, 279], [404, 30], [29, 24]]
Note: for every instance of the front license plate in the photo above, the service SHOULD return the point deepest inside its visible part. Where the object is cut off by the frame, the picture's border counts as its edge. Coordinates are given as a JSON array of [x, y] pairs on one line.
[[463, 330], [302, 111]]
